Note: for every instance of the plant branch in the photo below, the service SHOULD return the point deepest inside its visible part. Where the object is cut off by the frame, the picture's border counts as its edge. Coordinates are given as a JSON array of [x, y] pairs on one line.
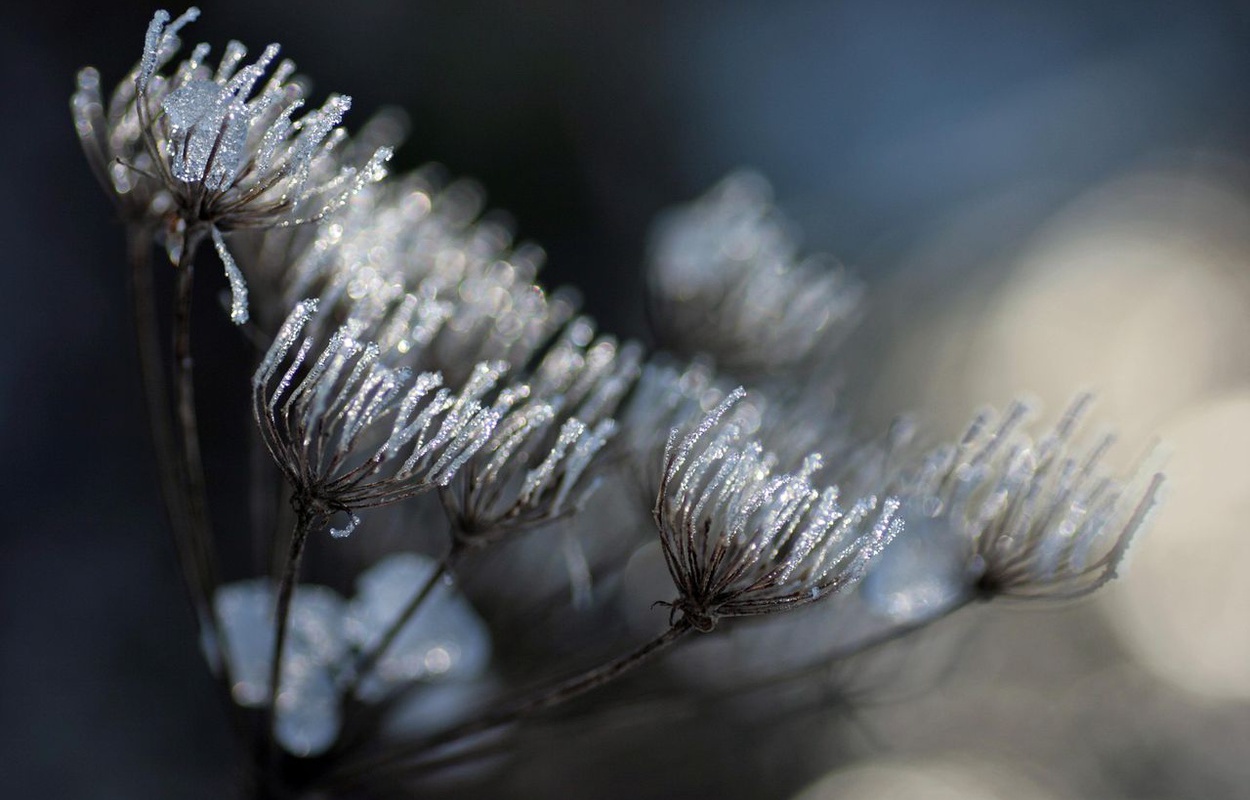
[[369, 660], [195, 489], [286, 589], [422, 756]]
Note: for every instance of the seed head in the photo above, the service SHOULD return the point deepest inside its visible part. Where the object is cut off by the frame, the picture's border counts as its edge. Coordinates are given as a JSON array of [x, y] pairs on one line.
[[351, 432], [726, 280], [1039, 519], [740, 540], [201, 149], [538, 465]]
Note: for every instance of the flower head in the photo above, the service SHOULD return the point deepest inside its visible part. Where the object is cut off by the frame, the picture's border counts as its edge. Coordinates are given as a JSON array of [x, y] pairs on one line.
[[471, 292], [203, 149], [537, 466], [1038, 519], [740, 540], [725, 280], [351, 432]]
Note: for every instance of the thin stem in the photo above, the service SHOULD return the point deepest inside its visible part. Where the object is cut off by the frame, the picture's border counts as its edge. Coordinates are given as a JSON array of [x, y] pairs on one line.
[[876, 641], [196, 557], [286, 589], [156, 398], [570, 688], [195, 487], [410, 757], [370, 659]]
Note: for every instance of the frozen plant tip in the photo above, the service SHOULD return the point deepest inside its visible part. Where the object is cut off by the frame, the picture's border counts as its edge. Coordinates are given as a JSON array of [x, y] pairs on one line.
[[1039, 519], [205, 151], [739, 540]]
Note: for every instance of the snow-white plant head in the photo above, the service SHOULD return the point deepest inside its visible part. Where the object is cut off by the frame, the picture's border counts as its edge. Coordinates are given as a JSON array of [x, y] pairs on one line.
[[350, 432], [1037, 519], [740, 540], [202, 151]]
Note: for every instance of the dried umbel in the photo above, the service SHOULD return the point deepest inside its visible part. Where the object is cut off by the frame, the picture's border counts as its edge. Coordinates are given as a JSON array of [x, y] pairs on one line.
[[726, 280], [205, 151], [740, 540], [467, 291], [537, 467], [1039, 519], [351, 432]]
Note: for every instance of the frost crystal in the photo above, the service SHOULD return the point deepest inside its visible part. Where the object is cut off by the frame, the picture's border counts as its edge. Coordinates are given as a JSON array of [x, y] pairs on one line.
[[536, 468], [740, 540], [468, 294]]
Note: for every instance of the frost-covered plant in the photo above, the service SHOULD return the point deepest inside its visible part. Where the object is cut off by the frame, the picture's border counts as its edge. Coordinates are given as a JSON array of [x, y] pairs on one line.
[[202, 151], [412, 380], [742, 541], [1037, 519], [727, 281]]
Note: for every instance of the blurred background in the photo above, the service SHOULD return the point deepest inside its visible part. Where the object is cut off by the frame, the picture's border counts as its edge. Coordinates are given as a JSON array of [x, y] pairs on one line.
[[1042, 197]]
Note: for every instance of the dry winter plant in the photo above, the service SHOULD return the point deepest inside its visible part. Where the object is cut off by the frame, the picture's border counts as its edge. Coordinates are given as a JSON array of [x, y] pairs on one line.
[[410, 376]]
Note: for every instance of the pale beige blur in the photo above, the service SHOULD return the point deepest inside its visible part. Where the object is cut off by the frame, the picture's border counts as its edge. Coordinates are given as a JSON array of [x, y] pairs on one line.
[[925, 780]]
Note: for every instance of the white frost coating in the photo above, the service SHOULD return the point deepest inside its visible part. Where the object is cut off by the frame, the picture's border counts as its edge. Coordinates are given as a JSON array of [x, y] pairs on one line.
[[1035, 519], [538, 479], [444, 640], [589, 443], [159, 42], [238, 286], [184, 147], [350, 431]]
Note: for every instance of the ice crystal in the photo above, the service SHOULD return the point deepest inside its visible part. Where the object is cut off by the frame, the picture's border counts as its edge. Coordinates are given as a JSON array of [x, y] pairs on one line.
[[726, 280], [1038, 519], [740, 540], [537, 466], [351, 432]]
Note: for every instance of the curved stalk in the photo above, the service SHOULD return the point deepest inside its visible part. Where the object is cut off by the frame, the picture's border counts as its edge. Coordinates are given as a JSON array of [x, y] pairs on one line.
[[421, 757], [369, 660], [198, 524], [286, 589]]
